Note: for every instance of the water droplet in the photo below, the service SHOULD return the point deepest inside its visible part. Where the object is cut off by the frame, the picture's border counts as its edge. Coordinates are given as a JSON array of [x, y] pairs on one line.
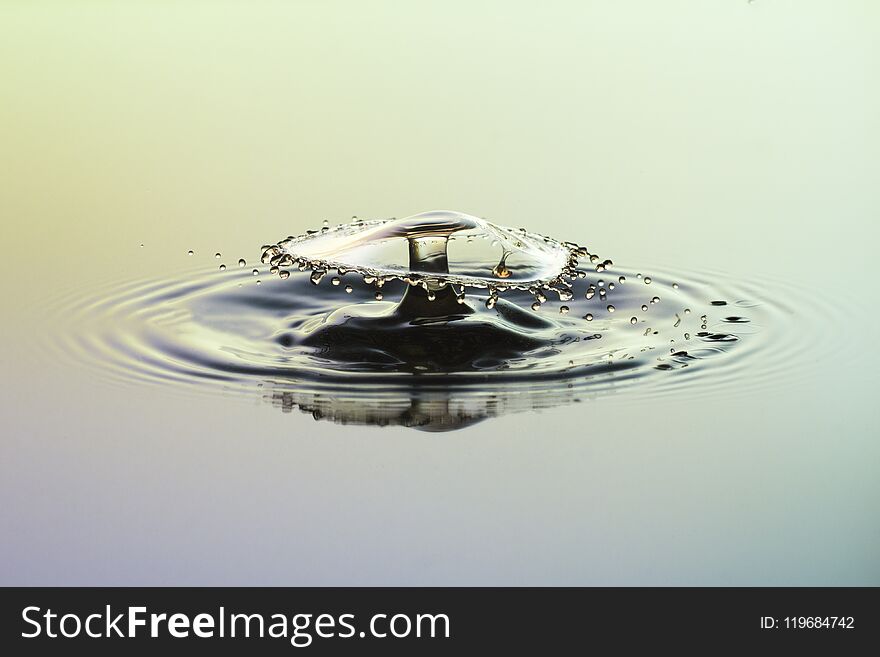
[[241, 262], [644, 308], [655, 300], [563, 310], [687, 336], [217, 255], [222, 267], [622, 279], [460, 298], [378, 296], [687, 311], [259, 282], [190, 252], [647, 280], [633, 320], [142, 246], [273, 270], [675, 286], [348, 289], [316, 276], [335, 281], [491, 301], [284, 274], [255, 272], [325, 225], [536, 306], [431, 296], [610, 308], [589, 317]]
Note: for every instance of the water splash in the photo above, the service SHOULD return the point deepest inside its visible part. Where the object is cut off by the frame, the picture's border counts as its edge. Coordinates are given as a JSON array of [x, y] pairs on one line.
[[435, 321]]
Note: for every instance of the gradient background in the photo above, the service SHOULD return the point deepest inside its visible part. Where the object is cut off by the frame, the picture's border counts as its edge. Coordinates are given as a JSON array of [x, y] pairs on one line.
[[715, 134]]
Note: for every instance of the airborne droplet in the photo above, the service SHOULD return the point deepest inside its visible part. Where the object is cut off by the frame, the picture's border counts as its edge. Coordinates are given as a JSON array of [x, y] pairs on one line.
[[241, 262], [222, 267]]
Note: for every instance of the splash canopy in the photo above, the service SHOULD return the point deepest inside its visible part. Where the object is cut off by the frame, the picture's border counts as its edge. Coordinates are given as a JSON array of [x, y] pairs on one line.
[[445, 246]]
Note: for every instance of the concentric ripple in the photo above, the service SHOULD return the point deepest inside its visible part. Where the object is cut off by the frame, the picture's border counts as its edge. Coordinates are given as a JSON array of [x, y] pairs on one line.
[[658, 333]]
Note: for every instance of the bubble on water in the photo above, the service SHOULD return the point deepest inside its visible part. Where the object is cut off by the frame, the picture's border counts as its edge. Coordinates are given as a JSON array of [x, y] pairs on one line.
[[190, 252], [241, 262], [218, 255], [348, 289], [563, 310], [335, 281], [611, 308], [222, 267]]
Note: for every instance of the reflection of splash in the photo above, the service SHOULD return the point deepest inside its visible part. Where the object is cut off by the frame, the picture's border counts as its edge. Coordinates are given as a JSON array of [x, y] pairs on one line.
[[425, 409]]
